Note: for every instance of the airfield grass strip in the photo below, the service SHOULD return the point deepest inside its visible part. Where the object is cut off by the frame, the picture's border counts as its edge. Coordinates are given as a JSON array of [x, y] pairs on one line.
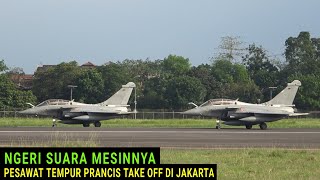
[[154, 123], [56, 139], [252, 163], [248, 163]]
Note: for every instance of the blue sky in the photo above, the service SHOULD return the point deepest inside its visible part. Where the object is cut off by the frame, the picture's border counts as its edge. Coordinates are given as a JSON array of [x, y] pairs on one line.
[[49, 32]]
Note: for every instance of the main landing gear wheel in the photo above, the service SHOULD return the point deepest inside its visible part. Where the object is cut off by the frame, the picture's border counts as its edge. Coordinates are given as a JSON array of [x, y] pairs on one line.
[[86, 125], [97, 124], [263, 126], [249, 126]]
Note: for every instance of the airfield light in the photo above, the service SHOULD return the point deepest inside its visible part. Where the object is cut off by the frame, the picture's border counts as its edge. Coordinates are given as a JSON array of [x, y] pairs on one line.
[[71, 88]]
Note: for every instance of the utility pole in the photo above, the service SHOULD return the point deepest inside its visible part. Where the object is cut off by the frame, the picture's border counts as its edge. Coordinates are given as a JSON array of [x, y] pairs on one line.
[[71, 88], [135, 102], [271, 89]]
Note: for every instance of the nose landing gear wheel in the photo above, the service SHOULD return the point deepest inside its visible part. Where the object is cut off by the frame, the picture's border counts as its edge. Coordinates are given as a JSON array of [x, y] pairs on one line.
[[97, 124], [218, 126], [263, 126], [54, 123], [249, 126]]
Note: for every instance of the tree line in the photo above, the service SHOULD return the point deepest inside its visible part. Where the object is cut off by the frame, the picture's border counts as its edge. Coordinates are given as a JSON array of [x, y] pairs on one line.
[[170, 83]]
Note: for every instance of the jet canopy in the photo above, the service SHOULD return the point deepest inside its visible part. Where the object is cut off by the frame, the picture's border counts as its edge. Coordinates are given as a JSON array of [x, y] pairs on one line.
[[218, 102], [54, 102]]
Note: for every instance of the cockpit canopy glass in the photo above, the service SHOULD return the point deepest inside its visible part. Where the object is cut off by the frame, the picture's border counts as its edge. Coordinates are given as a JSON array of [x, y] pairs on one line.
[[218, 102], [54, 102]]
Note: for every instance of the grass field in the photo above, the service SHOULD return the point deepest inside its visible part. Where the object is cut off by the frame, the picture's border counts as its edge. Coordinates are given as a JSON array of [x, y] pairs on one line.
[[174, 123], [251, 163]]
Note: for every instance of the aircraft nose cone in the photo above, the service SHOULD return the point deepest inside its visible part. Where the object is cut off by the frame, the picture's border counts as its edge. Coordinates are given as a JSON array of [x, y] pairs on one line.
[[28, 111], [22, 112], [192, 112]]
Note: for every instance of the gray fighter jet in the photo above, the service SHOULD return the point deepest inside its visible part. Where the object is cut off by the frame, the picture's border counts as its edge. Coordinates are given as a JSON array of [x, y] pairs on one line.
[[237, 113], [70, 112]]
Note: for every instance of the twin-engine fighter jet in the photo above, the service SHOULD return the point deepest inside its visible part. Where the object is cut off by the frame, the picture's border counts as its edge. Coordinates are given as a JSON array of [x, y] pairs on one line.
[[70, 112], [237, 113]]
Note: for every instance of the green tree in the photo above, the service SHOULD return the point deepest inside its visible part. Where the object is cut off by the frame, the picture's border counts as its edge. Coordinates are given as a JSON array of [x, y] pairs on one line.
[[261, 69], [141, 71], [175, 65], [153, 94], [184, 89], [20, 98], [114, 75], [203, 72], [235, 82], [7, 91], [308, 96], [227, 72], [90, 86], [53, 82], [302, 54], [3, 66], [303, 58], [222, 70], [10, 95], [247, 92]]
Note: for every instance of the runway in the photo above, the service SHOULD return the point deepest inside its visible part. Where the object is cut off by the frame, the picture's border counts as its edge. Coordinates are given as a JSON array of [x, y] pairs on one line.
[[165, 137]]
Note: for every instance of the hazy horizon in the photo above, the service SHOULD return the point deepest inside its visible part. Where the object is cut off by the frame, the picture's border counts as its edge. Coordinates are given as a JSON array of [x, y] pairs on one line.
[[49, 32]]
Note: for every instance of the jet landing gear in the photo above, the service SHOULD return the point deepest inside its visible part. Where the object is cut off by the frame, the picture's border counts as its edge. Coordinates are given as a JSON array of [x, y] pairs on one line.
[[54, 123], [97, 124], [248, 126], [263, 126], [218, 126], [86, 125]]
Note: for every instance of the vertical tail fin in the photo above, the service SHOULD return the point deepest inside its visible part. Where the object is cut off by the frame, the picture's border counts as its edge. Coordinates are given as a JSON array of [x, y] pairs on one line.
[[286, 96], [121, 97]]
